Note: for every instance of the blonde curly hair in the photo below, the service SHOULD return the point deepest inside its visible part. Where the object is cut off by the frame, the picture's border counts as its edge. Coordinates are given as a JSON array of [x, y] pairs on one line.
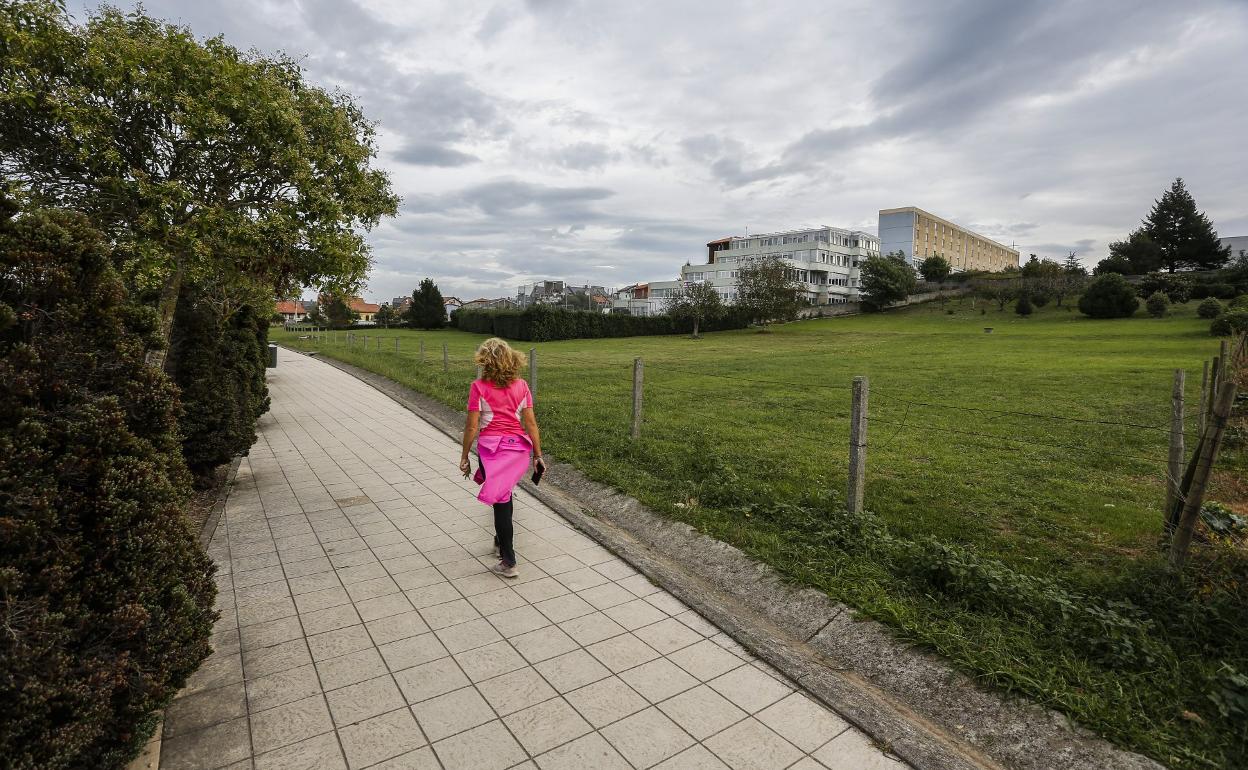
[[500, 363]]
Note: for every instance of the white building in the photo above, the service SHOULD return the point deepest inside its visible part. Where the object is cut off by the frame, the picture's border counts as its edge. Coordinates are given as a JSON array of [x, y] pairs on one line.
[[644, 298], [823, 260]]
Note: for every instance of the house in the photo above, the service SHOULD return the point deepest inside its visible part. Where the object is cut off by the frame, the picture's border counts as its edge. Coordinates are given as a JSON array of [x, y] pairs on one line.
[[451, 304], [365, 310], [644, 298], [291, 310]]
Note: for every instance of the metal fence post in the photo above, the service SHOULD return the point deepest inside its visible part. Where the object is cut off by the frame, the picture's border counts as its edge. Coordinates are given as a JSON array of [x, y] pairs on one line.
[[396, 344], [446, 361], [858, 446], [533, 371], [638, 369], [422, 351]]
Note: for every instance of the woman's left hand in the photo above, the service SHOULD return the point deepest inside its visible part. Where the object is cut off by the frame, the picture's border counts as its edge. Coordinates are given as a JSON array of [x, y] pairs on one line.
[[465, 467]]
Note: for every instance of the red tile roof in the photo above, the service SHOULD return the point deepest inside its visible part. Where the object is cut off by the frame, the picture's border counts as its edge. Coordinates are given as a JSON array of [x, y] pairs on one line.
[[289, 307], [360, 306]]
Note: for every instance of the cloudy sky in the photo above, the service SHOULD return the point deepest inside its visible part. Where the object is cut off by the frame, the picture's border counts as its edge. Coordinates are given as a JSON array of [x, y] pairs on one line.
[[606, 142]]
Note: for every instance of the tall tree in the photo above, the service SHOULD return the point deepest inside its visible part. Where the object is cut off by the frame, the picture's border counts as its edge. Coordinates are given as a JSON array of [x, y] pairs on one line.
[[428, 310], [338, 310], [197, 159], [1184, 236], [885, 280], [767, 288], [1072, 265], [386, 316], [935, 269], [696, 302]]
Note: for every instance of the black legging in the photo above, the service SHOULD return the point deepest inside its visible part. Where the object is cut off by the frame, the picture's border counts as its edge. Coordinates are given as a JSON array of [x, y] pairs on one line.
[[503, 532]]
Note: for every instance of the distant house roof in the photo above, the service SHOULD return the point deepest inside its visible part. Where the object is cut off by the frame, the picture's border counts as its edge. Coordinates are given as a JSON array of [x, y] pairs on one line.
[[360, 306], [289, 307], [451, 301], [719, 240]]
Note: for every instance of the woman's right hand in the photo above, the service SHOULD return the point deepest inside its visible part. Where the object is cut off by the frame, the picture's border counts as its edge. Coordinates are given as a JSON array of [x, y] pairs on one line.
[[465, 467]]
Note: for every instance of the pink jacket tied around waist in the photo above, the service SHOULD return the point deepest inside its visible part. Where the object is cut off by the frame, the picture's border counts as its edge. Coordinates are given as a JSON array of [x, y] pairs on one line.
[[505, 458]]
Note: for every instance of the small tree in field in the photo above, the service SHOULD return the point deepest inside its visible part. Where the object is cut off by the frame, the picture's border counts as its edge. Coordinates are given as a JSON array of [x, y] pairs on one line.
[[1023, 307], [696, 302], [1157, 304], [317, 318], [339, 312], [886, 280], [1109, 296], [386, 317], [935, 269], [1183, 235], [428, 310], [767, 289]]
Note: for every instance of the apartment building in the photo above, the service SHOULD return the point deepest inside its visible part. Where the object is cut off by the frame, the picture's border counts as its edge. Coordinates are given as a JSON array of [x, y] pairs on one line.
[[644, 299], [919, 234], [823, 260]]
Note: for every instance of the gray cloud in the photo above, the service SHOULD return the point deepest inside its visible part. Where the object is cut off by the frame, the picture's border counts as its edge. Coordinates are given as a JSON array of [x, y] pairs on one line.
[[429, 154]]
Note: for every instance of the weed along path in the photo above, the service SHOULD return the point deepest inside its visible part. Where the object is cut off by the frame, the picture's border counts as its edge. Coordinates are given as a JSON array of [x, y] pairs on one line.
[[360, 628]]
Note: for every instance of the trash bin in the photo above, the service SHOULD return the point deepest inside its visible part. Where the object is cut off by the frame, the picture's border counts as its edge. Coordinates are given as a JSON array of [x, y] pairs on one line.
[[272, 356]]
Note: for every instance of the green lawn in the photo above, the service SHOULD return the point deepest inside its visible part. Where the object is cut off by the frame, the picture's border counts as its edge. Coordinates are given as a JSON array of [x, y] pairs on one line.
[[1002, 445]]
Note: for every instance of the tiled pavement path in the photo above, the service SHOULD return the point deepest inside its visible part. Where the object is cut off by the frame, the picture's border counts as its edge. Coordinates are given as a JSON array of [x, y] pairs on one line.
[[360, 628]]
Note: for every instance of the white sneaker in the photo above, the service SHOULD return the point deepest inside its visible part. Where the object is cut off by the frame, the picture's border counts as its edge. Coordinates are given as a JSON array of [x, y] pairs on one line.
[[504, 570]]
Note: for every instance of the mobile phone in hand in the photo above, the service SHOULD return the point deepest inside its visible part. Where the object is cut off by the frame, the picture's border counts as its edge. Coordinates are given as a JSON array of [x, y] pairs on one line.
[[539, 468]]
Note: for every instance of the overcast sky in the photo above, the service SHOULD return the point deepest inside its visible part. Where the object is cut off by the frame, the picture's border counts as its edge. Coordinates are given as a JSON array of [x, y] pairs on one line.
[[606, 142]]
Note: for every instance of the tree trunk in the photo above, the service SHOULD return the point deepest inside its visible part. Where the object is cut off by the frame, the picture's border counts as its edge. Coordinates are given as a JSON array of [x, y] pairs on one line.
[[695, 328], [168, 304]]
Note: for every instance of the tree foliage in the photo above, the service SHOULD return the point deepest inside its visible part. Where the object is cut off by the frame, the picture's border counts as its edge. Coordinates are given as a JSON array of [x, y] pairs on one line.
[[105, 596], [1157, 304], [697, 302], [935, 269], [886, 280], [386, 317], [1137, 255], [767, 290], [428, 310], [338, 310], [1184, 236], [204, 162], [1109, 296]]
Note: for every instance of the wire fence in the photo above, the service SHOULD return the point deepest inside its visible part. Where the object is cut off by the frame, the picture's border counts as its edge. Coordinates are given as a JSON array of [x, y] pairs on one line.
[[603, 398]]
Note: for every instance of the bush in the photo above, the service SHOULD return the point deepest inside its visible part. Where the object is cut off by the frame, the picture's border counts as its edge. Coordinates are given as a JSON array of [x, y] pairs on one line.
[[1239, 303], [1222, 290], [1109, 296], [1177, 288], [541, 323], [886, 280], [1230, 322], [1023, 306], [219, 366], [105, 595], [1210, 308], [1158, 304]]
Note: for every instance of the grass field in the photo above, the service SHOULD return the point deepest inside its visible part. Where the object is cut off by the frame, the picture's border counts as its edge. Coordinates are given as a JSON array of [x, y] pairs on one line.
[[1041, 446]]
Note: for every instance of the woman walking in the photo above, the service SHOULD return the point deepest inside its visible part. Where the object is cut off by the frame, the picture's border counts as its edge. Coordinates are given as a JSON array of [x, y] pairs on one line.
[[501, 407]]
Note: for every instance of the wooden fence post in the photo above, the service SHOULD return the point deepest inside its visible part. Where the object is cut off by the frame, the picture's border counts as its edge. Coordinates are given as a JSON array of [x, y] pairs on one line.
[[858, 446], [1174, 468], [422, 351], [1204, 400], [638, 370], [396, 344], [1209, 445], [533, 371], [446, 361]]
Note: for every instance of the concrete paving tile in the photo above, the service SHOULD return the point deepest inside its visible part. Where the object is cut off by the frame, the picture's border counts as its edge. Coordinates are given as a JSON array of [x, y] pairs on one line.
[[420, 759], [320, 752], [215, 746], [419, 578], [307, 567], [319, 581], [383, 606], [465, 636], [412, 651], [478, 583], [802, 722], [606, 701], [328, 620], [357, 702], [265, 609], [488, 747], [518, 621], [340, 641], [705, 660], [750, 688], [263, 661], [395, 627], [635, 614], [606, 595], [543, 643], [361, 573], [750, 745], [289, 723], [622, 652], [498, 601], [431, 679], [581, 579], [565, 607], [571, 670], [541, 589], [321, 600], [668, 636], [694, 758], [204, 709], [283, 687], [379, 738], [516, 690], [589, 751], [659, 679], [452, 712], [544, 726], [350, 668], [852, 750], [647, 737], [702, 712], [258, 576], [218, 670], [462, 568], [489, 661], [588, 629], [557, 565], [448, 613]]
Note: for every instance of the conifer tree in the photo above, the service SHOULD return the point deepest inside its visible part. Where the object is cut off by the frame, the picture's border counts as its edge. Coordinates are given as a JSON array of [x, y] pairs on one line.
[[1183, 234], [428, 310]]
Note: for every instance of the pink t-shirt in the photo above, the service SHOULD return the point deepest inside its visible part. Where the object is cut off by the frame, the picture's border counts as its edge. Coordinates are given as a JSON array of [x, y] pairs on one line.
[[499, 407]]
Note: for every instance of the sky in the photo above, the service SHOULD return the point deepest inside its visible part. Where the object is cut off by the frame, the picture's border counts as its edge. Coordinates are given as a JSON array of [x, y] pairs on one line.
[[607, 142]]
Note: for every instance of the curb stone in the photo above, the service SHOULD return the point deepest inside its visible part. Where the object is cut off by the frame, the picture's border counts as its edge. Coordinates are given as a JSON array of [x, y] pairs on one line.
[[909, 701]]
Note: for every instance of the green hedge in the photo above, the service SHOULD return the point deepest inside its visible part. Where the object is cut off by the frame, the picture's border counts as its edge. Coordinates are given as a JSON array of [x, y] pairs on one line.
[[219, 366], [105, 595], [542, 323]]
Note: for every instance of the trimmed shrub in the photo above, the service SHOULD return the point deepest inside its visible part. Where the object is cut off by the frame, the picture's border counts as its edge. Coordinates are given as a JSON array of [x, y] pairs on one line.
[[1230, 322], [1222, 290], [1109, 296], [1158, 304], [219, 366], [105, 595], [542, 323], [1177, 288], [1023, 306], [1210, 308], [1239, 303]]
